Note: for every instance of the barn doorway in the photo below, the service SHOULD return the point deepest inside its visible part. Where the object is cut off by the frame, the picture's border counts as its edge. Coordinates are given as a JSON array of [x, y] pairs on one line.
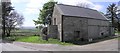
[[54, 21], [76, 35]]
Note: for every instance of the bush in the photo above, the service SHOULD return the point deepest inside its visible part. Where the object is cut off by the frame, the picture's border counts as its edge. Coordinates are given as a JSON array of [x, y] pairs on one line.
[[10, 38], [36, 35]]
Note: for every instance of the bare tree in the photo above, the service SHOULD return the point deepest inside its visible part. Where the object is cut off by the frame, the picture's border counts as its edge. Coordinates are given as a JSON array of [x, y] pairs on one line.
[[14, 19]]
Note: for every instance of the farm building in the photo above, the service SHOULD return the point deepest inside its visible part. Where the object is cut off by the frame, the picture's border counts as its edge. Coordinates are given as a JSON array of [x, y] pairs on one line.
[[77, 23]]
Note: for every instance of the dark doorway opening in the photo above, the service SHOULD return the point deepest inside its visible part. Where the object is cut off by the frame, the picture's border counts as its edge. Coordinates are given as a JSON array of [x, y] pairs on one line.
[[54, 21], [77, 35]]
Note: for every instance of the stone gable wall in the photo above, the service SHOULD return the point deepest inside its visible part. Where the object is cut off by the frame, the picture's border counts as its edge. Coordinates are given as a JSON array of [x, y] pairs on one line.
[[52, 31], [58, 16], [73, 24]]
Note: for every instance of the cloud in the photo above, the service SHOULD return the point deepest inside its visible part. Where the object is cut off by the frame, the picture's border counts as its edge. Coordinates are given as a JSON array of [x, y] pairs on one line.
[[31, 11], [33, 6], [70, 2], [92, 5], [19, 1], [88, 2], [104, 0], [98, 7]]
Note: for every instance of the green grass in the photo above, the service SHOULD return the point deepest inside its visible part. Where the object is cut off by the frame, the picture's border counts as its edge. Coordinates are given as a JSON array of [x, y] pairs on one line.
[[37, 39], [119, 32], [118, 38]]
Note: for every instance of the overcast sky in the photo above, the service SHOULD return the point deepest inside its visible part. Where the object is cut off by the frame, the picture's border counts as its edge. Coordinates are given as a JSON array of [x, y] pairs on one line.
[[30, 8]]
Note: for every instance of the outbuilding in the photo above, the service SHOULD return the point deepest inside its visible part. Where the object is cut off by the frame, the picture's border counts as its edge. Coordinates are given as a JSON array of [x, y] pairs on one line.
[[78, 23]]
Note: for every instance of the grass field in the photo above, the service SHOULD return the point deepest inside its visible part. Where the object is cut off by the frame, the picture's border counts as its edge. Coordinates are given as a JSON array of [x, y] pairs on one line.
[[38, 39], [27, 36]]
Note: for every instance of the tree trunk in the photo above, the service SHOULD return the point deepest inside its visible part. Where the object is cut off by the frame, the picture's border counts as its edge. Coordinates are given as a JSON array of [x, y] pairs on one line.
[[119, 27], [3, 20], [112, 18], [8, 32], [8, 35]]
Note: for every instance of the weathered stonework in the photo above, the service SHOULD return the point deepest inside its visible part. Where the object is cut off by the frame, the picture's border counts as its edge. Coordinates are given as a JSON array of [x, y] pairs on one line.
[[52, 31], [74, 28], [71, 28]]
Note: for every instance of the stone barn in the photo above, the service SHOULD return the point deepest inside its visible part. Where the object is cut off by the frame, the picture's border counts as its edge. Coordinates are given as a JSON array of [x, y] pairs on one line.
[[77, 23]]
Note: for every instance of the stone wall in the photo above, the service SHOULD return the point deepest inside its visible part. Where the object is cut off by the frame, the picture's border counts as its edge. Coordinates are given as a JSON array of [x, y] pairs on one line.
[[52, 31], [98, 28], [84, 27], [58, 17], [74, 28]]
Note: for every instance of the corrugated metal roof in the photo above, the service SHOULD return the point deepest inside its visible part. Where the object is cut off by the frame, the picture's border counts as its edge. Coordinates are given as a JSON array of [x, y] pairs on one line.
[[80, 12]]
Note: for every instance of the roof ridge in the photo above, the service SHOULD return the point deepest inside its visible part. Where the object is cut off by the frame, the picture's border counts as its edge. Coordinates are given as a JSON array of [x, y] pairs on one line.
[[77, 6]]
